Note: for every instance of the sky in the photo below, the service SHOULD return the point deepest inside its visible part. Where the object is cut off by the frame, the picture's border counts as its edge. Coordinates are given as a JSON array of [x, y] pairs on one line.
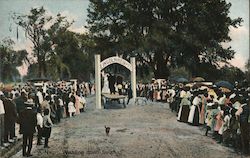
[[77, 10]]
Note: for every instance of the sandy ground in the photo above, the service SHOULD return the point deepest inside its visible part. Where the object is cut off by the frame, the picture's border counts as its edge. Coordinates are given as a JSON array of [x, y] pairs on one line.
[[149, 131]]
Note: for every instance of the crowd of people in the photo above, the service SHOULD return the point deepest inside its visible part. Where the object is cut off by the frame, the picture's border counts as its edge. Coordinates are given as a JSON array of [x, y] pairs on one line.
[[36, 109], [223, 112]]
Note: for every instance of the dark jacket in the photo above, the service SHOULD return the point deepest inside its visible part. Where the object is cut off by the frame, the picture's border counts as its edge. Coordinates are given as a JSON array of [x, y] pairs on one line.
[[28, 121], [245, 114], [10, 110], [20, 106]]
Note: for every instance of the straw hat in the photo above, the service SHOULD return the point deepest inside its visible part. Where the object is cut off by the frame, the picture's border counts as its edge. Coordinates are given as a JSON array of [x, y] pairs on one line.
[[29, 103]]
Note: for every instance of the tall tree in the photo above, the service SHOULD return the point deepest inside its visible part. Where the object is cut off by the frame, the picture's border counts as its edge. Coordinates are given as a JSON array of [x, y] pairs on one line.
[[37, 26], [164, 33], [72, 49], [9, 60]]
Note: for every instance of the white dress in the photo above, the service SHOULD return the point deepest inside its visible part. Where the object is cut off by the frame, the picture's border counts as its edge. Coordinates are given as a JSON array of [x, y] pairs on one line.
[[196, 102], [105, 88], [71, 107]]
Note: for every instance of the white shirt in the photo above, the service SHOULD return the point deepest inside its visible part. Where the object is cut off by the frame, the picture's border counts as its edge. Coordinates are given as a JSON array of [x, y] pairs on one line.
[[40, 97], [222, 100], [188, 94], [196, 100], [39, 120], [171, 92], [13, 93], [232, 96], [2, 111], [60, 102], [182, 94], [240, 110]]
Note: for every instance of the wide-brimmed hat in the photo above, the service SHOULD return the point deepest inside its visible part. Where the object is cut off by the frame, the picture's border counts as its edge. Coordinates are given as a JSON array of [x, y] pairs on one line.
[[29, 103]]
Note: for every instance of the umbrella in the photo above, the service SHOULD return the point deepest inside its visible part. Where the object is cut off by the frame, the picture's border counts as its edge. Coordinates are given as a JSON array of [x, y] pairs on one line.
[[224, 84], [225, 90], [181, 80], [198, 79]]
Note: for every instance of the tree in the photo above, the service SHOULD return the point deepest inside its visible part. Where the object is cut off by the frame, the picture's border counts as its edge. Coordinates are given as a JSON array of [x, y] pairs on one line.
[[165, 33], [232, 74], [9, 60], [60, 53], [38, 29], [72, 49]]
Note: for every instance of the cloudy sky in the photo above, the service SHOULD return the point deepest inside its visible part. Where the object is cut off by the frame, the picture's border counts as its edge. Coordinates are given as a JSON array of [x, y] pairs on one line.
[[77, 10]]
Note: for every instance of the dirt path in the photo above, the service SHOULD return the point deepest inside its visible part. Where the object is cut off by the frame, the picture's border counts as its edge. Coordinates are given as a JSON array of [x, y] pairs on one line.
[[149, 131]]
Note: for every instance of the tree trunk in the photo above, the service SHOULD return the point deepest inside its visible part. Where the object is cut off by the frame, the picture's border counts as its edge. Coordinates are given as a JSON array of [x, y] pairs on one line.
[[40, 65], [161, 69]]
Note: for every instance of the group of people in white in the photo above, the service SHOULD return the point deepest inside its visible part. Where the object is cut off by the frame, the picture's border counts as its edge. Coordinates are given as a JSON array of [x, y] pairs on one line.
[[226, 114]]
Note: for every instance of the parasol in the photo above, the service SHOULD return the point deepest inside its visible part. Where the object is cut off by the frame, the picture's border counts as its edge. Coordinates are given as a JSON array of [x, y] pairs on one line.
[[224, 84], [198, 79]]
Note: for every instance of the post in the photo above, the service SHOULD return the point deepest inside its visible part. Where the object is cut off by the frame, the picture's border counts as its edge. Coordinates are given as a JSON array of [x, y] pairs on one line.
[[133, 77], [98, 81]]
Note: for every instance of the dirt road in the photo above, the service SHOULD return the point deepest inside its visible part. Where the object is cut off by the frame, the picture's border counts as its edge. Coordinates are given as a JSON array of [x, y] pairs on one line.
[[148, 131]]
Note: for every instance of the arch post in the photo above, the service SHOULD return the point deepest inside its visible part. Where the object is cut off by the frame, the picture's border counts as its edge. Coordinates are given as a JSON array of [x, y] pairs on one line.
[[133, 77], [98, 81]]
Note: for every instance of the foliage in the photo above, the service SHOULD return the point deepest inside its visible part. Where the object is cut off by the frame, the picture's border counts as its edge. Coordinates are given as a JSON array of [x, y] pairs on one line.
[[163, 34], [231, 74], [9, 60], [180, 72], [71, 49], [60, 54], [39, 28]]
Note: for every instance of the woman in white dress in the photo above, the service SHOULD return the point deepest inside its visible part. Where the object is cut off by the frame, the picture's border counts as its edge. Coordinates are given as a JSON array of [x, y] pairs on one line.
[[193, 117], [105, 88], [184, 110]]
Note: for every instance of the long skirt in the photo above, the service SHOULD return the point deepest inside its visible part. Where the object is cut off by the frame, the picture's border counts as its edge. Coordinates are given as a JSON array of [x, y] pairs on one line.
[[193, 117], [183, 113], [202, 115]]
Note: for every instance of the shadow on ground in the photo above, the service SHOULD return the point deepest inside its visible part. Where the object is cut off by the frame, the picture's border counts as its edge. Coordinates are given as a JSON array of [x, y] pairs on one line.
[[115, 104]]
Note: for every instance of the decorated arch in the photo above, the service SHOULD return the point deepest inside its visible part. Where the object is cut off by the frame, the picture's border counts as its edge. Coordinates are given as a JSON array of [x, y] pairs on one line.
[[112, 60]]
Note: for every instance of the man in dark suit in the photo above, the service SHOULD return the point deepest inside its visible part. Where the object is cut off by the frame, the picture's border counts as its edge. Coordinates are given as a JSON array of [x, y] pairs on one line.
[[20, 106], [28, 124], [10, 118], [112, 80]]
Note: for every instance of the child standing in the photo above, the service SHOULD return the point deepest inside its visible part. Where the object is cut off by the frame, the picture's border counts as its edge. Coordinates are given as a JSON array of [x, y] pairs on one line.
[[47, 125], [39, 126], [72, 109]]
